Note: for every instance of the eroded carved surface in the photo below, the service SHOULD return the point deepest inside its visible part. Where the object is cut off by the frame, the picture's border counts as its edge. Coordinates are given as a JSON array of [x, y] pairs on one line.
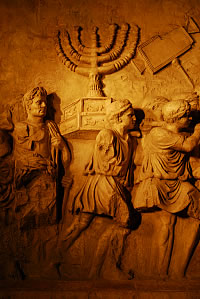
[[84, 114], [165, 182], [36, 153], [105, 191], [94, 60], [30, 200], [46, 229]]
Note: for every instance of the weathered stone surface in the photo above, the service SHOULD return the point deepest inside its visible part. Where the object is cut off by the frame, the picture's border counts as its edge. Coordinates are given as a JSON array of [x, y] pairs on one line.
[[139, 290], [29, 236]]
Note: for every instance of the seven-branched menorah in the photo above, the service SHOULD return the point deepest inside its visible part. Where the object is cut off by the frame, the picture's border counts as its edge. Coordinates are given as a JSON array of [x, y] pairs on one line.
[[95, 61]]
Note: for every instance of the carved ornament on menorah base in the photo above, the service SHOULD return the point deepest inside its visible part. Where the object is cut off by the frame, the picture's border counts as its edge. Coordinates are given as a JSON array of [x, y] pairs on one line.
[[94, 61], [85, 115]]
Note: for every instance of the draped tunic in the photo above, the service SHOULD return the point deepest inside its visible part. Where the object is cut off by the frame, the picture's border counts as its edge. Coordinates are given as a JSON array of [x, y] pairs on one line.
[[35, 167], [163, 179], [109, 174]]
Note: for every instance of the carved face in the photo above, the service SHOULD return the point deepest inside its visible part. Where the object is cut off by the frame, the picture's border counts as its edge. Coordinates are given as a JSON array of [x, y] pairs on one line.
[[38, 107], [128, 119], [183, 122]]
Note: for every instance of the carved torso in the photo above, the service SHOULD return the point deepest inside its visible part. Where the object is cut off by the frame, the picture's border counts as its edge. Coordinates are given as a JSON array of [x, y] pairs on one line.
[[32, 138], [109, 173], [112, 155], [161, 159], [164, 173], [32, 152]]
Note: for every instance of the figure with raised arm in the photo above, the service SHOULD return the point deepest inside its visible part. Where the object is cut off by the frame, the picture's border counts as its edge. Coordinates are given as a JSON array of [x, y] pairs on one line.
[[164, 180]]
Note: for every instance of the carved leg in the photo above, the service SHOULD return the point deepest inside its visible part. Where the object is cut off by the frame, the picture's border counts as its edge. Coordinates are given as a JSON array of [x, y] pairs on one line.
[[165, 235], [186, 238], [100, 252], [79, 224], [118, 240], [111, 241]]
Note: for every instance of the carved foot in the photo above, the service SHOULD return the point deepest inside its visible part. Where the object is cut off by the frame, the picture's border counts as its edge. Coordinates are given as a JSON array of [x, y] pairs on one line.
[[118, 274]]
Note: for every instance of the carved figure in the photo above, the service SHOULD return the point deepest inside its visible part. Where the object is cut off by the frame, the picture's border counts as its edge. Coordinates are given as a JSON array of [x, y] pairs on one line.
[[153, 114], [37, 144], [105, 192], [163, 179]]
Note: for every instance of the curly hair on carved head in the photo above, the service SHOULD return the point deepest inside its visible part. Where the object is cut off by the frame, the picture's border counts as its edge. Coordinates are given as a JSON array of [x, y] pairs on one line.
[[156, 103], [31, 94], [174, 110]]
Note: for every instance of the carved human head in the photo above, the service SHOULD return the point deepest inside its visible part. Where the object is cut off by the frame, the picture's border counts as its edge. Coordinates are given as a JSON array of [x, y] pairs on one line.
[[120, 114], [153, 110], [175, 110], [117, 108], [33, 93], [193, 100]]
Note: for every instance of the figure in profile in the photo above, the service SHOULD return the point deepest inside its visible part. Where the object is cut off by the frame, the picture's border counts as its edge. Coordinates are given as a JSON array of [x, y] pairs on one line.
[[164, 179], [106, 189], [37, 146], [153, 114]]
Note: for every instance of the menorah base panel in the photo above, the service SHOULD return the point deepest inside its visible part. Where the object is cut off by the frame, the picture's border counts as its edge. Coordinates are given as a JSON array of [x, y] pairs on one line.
[[84, 117]]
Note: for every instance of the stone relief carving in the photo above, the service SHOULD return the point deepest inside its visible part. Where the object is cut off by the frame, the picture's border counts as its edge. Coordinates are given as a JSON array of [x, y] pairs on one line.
[[34, 164], [167, 178], [191, 25], [86, 114], [164, 181], [161, 50], [166, 186], [106, 189], [6, 164], [95, 61], [36, 153]]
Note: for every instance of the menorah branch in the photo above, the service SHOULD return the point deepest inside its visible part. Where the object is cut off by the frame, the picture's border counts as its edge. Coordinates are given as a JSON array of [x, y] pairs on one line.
[[96, 60]]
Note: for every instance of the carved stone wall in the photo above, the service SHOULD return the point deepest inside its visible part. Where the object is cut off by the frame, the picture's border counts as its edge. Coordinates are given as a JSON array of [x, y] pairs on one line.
[[28, 47], [30, 245]]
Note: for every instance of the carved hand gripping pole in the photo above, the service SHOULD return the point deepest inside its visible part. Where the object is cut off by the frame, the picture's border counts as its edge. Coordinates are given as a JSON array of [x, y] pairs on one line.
[[96, 61]]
